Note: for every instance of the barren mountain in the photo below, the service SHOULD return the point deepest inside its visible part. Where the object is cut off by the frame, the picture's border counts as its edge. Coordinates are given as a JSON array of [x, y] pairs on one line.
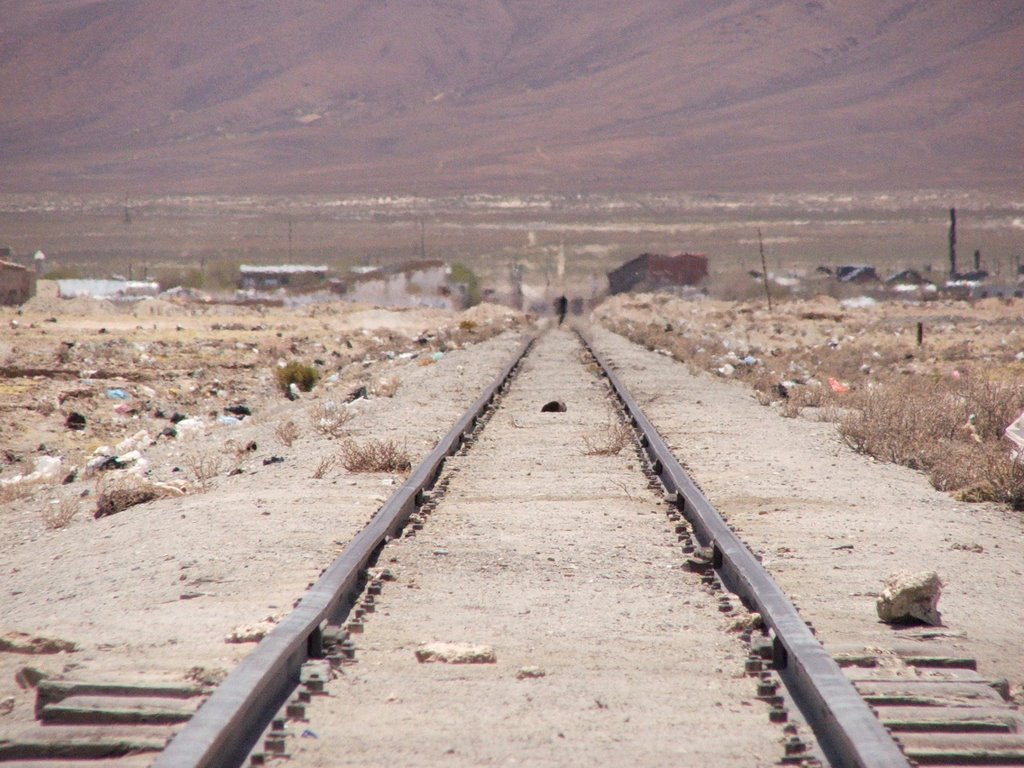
[[509, 95]]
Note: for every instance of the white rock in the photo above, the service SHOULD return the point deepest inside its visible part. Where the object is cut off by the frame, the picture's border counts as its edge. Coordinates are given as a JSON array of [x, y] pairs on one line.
[[909, 597]]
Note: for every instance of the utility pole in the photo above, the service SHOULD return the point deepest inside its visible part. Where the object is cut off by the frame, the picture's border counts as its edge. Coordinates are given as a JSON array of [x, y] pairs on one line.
[[952, 244], [289, 238], [764, 269]]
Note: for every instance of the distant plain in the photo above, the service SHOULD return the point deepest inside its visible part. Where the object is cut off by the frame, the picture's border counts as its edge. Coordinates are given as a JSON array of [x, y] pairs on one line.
[[208, 236]]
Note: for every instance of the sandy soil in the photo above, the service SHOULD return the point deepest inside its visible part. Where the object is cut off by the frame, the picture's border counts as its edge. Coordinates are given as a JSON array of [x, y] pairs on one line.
[[152, 592], [830, 524]]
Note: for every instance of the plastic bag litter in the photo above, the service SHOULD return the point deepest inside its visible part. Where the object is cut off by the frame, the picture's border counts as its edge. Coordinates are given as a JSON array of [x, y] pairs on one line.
[[189, 428], [117, 394], [227, 421], [46, 468], [1015, 434]]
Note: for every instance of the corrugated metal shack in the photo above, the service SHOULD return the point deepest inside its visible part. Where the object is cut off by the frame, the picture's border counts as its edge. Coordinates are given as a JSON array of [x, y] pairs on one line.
[[17, 284], [294, 277], [651, 271]]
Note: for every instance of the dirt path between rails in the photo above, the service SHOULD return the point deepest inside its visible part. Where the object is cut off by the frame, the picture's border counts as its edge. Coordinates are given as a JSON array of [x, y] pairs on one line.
[[561, 562], [832, 524]]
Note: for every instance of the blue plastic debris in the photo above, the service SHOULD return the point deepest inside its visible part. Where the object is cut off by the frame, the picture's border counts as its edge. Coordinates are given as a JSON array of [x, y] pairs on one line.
[[117, 394]]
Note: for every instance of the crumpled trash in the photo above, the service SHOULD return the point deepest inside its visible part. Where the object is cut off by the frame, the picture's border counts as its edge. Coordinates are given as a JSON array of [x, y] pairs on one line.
[[436, 356], [837, 386], [47, 468], [1015, 434], [228, 421], [117, 394], [189, 428]]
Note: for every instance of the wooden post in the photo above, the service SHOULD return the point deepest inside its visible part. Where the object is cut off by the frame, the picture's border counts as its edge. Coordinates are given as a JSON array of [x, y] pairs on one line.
[[952, 243], [764, 269], [920, 334]]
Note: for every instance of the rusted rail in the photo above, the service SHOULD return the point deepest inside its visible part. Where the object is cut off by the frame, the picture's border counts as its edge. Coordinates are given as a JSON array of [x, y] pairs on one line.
[[226, 727], [847, 730]]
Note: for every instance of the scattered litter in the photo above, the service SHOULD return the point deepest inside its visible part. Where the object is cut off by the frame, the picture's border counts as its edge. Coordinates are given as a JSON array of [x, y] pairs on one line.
[[238, 410], [553, 406], [46, 469], [911, 597], [7, 706], [455, 653], [309, 734], [1015, 433], [727, 370], [436, 356], [139, 440], [228, 421], [117, 394], [837, 386], [272, 460], [189, 428]]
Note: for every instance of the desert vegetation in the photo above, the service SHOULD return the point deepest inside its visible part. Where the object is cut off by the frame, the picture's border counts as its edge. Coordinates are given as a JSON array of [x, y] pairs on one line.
[[375, 456], [940, 406]]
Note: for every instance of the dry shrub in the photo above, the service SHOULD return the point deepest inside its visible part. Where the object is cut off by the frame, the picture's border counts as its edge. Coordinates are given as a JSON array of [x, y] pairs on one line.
[[119, 493], [202, 467], [325, 465], [375, 456], [15, 491], [979, 472], [286, 432], [59, 513], [301, 375], [611, 441], [952, 429], [329, 419]]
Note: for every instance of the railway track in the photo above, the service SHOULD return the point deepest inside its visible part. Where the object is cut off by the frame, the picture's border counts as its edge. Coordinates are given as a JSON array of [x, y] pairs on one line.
[[612, 614]]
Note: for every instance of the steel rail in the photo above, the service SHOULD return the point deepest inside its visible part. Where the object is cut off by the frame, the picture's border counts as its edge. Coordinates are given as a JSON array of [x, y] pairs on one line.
[[226, 727], [845, 726]]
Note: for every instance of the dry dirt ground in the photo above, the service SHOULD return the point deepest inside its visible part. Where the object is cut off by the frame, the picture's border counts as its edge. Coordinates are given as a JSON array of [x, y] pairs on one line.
[[153, 592]]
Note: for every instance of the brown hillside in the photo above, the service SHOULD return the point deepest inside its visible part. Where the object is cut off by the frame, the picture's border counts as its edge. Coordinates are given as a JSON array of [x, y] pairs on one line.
[[430, 96]]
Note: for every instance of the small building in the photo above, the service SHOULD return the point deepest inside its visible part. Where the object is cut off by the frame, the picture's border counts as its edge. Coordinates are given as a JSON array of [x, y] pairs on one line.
[[17, 284], [653, 271], [413, 284], [858, 274], [908, 277], [293, 277]]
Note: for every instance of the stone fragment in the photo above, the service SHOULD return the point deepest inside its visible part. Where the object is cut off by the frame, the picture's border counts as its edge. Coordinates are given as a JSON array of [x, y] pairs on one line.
[[250, 633], [455, 653], [530, 673], [909, 598]]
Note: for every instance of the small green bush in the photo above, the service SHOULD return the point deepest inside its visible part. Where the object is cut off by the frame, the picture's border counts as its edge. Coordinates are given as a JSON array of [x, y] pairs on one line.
[[301, 375]]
